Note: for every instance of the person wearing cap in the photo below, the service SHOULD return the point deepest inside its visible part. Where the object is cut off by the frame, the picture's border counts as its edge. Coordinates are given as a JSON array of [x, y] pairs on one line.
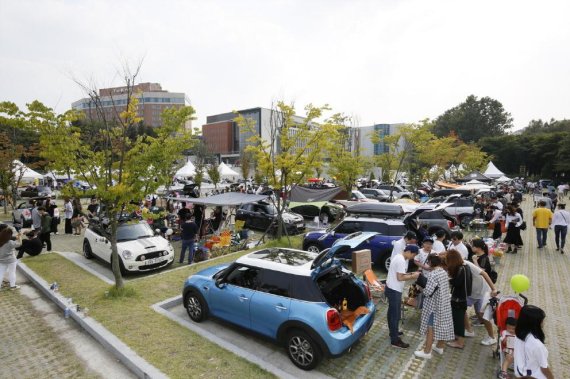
[[397, 276], [409, 238]]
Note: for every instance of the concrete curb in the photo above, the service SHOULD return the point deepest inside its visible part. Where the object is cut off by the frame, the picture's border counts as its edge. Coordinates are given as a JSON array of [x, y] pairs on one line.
[[140, 367], [70, 257], [161, 308]]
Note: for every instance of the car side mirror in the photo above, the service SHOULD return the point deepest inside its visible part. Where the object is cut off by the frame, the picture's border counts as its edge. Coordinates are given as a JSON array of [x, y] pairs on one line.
[[220, 283]]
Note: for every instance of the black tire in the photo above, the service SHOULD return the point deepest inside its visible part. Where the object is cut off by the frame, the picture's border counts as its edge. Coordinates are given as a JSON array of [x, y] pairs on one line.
[[384, 262], [87, 252], [121, 267], [302, 350], [313, 248], [196, 306]]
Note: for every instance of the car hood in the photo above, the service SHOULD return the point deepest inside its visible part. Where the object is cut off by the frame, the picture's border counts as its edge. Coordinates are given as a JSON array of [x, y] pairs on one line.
[[144, 245], [210, 271], [292, 217]]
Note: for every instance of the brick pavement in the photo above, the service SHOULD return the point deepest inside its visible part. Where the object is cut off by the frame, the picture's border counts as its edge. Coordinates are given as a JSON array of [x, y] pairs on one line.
[[375, 358], [548, 271], [30, 348]]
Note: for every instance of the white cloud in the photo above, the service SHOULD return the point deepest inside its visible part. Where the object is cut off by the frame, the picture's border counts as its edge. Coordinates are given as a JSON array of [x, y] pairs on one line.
[[389, 61]]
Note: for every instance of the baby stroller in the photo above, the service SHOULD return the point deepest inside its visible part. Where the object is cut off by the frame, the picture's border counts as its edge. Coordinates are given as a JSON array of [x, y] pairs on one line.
[[503, 308]]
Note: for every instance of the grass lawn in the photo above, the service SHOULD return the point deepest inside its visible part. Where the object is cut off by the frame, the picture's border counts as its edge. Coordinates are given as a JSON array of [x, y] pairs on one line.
[[175, 350]]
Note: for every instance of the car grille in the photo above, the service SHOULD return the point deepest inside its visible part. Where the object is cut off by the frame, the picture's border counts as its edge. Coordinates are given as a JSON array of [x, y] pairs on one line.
[[153, 266], [154, 254]]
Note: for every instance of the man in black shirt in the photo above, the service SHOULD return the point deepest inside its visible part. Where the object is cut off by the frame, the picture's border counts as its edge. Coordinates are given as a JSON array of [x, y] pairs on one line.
[[93, 207], [188, 235], [33, 245], [182, 213]]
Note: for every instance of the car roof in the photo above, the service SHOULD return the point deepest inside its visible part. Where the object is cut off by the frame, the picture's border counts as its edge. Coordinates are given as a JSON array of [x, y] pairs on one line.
[[389, 221], [290, 261]]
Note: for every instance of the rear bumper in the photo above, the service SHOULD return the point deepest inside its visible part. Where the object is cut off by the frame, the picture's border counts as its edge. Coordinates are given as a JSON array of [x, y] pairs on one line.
[[341, 341]]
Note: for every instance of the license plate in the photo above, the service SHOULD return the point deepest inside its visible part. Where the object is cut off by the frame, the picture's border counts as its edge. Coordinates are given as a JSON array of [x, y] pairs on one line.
[[152, 261]]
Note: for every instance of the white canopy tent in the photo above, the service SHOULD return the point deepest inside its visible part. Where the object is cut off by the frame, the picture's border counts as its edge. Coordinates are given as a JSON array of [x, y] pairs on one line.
[[187, 170], [503, 179], [25, 173], [474, 186], [226, 171], [493, 172]]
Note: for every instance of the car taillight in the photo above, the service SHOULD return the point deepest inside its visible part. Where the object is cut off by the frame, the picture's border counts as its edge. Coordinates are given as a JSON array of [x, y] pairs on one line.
[[450, 224], [333, 320], [368, 291]]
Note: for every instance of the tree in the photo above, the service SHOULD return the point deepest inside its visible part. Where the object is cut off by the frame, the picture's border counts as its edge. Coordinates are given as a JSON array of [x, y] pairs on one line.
[[18, 142], [245, 161], [121, 169], [474, 119], [346, 163], [214, 174], [289, 153]]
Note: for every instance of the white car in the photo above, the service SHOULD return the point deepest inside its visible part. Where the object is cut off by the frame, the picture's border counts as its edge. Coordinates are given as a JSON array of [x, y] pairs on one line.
[[139, 248]]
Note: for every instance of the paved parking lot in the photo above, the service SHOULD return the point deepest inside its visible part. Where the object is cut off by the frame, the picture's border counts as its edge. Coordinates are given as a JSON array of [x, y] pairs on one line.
[[374, 357], [38, 342]]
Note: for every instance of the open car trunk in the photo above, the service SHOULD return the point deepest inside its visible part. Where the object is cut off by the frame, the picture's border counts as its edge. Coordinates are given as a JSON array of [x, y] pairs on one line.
[[336, 285]]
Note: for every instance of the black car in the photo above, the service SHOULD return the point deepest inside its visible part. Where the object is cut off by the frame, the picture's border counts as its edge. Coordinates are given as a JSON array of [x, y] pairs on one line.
[[36, 191], [310, 211], [263, 216]]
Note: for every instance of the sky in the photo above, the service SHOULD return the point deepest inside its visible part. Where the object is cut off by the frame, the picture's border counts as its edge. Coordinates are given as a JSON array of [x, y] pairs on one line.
[[382, 61]]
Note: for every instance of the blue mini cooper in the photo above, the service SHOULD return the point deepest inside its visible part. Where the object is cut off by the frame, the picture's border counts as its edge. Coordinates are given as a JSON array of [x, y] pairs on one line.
[[290, 296]]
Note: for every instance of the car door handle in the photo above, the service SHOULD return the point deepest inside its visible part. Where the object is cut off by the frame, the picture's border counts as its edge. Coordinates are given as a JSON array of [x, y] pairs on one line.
[[205, 288], [280, 308], [243, 298]]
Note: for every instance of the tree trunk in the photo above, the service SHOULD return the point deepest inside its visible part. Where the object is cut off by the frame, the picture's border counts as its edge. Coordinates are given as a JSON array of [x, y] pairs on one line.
[[115, 260]]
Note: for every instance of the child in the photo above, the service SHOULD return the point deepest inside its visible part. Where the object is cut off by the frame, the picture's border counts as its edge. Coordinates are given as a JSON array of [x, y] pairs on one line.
[[507, 344]]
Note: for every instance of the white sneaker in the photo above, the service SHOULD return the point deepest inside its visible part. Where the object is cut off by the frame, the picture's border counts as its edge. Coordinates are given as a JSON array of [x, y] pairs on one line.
[[438, 350], [488, 341], [421, 354], [469, 334]]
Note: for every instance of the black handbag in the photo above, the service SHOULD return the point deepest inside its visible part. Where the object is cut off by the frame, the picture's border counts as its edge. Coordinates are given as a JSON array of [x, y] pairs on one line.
[[523, 226], [421, 280]]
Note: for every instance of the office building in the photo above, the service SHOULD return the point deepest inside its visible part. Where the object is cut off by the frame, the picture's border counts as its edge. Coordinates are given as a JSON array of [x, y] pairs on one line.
[[152, 101]]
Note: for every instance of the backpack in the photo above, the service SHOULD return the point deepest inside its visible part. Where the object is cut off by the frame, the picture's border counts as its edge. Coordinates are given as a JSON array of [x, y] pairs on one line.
[[486, 265]]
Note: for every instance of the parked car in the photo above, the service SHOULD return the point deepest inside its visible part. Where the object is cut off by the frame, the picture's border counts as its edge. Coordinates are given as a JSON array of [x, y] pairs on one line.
[[390, 220], [309, 211], [355, 197], [380, 245], [461, 208], [36, 191], [263, 216], [22, 214], [376, 194], [290, 296], [139, 248], [397, 191]]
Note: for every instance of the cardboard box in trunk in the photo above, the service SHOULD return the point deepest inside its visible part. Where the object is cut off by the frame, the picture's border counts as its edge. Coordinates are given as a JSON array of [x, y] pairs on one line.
[[361, 261]]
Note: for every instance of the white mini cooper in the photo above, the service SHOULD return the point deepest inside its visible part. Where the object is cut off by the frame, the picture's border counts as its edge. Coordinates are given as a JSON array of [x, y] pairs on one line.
[[138, 247]]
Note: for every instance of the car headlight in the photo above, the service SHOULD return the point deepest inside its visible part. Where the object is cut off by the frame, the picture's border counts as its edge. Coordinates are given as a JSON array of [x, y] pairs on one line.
[[127, 254], [287, 220]]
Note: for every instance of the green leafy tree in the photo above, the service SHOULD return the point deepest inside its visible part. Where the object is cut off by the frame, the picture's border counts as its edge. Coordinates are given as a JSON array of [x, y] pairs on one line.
[[121, 169], [290, 152], [346, 164], [474, 119], [214, 174]]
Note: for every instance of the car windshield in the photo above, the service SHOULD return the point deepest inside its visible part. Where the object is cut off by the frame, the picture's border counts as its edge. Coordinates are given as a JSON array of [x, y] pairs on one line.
[[270, 209], [129, 232], [358, 195]]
